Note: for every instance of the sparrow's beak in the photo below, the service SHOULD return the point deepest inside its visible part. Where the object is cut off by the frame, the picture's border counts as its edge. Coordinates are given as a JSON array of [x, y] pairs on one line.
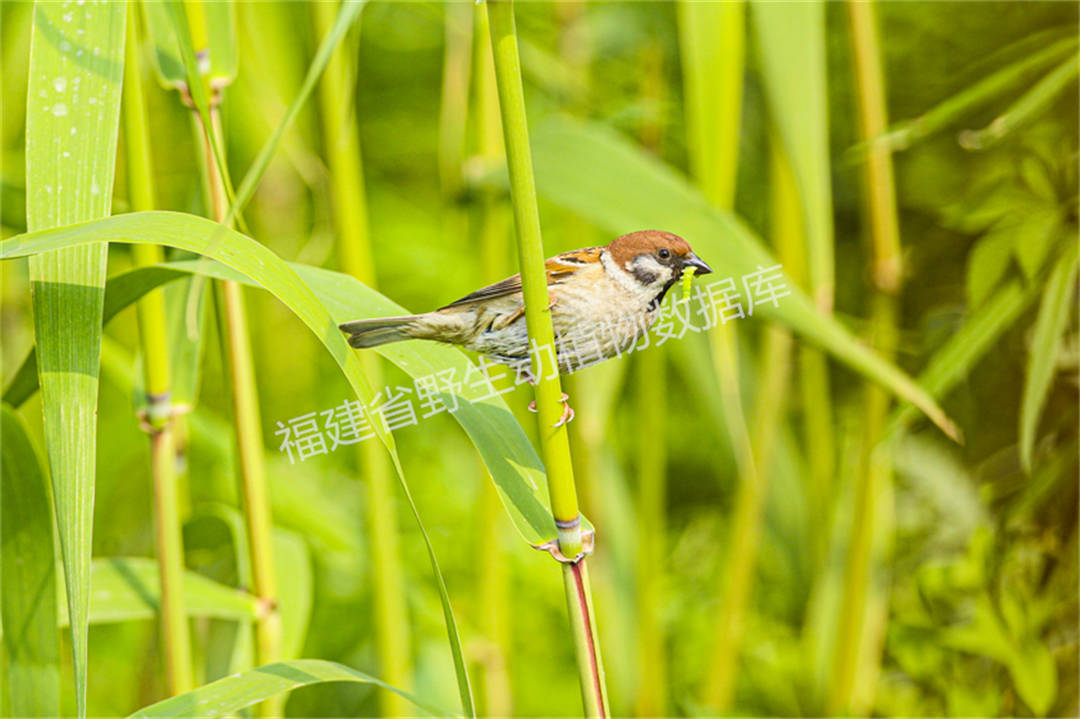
[[700, 268]]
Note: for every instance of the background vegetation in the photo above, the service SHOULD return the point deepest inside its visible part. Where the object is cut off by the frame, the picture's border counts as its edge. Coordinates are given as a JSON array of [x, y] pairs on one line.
[[776, 535]]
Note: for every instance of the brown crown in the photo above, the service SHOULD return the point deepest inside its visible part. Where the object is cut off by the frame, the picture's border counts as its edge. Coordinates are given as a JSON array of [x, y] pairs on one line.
[[624, 249]]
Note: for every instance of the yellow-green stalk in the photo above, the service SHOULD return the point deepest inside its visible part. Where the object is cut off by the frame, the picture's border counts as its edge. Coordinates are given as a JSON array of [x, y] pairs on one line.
[[491, 235], [754, 454], [554, 441], [875, 466], [150, 311], [241, 376], [349, 205], [651, 450]]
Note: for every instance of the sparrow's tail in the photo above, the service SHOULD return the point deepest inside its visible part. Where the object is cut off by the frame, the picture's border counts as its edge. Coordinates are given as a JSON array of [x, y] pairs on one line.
[[380, 331]]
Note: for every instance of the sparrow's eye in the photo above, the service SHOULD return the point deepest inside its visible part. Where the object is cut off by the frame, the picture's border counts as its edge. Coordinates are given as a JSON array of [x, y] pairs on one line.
[[664, 253]]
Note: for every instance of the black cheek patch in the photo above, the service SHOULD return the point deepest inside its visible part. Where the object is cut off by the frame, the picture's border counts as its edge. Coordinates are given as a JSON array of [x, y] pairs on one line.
[[644, 276]]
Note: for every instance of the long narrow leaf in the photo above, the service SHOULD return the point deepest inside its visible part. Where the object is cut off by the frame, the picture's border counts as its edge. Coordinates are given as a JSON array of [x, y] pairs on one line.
[[127, 589], [231, 694], [1045, 343], [233, 249], [591, 171], [28, 575], [73, 110], [503, 445], [791, 40]]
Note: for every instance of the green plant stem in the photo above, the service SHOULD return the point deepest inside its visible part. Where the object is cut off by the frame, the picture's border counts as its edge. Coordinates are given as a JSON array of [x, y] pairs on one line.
[[454, 106], [753, 455], [874, 464], [349, 204], [651, 450], [150, 311], [492, 235], [712, 40], [554, 440], [249, 439]]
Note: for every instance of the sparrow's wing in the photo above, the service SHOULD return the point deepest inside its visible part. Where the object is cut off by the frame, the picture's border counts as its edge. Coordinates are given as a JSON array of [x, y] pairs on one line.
[[558, 268]]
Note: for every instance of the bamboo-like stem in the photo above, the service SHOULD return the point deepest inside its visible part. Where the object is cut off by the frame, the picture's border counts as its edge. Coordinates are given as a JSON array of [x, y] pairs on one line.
[[874, 467], [554, 441], [753, 455], [349, 204], [651, 505], [150, 311], [453, 108], [248, 429], [492, 234], [712, 46]]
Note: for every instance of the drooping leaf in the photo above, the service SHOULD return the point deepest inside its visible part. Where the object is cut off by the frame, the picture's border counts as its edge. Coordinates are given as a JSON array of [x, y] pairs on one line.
[[233, 693], [989, 262], [72, 118], [602, 177], [127, 588], [28, 575], [1057, 300], [791, 39]]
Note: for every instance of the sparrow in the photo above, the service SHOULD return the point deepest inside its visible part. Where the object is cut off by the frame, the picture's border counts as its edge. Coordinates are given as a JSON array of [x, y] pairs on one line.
[[609, 295]]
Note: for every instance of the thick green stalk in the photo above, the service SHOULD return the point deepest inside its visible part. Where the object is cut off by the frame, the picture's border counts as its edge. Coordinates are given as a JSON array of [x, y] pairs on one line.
[[651, 456], [248, 430], [454, 107], [875, 466], [753, 455], [712, 39], [492, 235], [651, 450], [150, 310], [554, 441], [349, 204]]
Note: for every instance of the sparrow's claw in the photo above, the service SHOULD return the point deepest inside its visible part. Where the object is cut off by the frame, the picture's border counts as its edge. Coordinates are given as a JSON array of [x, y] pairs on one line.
[[551, 303], [568, 411]]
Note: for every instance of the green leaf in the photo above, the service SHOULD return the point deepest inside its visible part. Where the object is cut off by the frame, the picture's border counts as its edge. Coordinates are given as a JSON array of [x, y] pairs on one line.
[[1034, 236], [1034, 674], [294, 594], [73, 109], [27, 575], [791, 40], [231, 694], [127, 588], [989, 261], [1036, 100], [966, 346], [906, 133], [1045, 343], [503, 445], [605, 179]]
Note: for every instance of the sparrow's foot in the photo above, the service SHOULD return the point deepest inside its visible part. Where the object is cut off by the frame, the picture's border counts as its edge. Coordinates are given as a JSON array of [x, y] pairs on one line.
[[567, 414], [551, 303]]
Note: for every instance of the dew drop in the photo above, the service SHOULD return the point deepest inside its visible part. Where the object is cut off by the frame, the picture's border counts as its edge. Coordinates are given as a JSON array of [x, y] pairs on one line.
[[60, 83], [59, 110], [94, 189], [68, 16]]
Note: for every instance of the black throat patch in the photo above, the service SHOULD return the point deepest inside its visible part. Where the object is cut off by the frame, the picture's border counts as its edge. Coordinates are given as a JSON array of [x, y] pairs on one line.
[[655, 302]]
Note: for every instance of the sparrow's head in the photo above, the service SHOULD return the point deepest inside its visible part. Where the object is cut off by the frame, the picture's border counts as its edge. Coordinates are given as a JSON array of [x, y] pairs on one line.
[[656, 259]]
